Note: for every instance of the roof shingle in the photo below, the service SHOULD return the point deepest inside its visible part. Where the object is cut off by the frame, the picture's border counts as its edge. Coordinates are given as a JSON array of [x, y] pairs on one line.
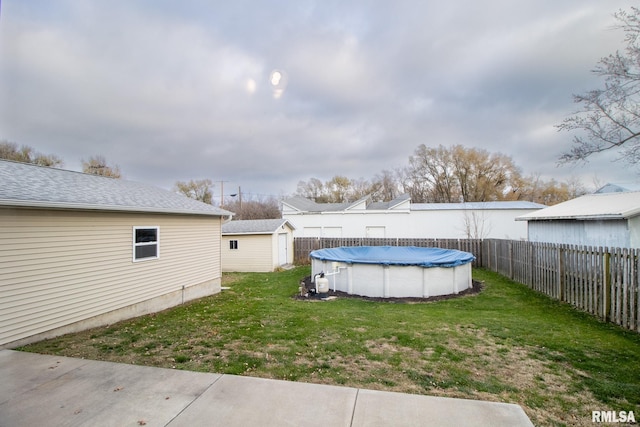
[[28, 185], [254, 226]]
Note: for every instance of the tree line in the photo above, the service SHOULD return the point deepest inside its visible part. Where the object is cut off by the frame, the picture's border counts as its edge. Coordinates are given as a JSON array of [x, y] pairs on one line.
[[254, 208], [445, 175], [95, 165]]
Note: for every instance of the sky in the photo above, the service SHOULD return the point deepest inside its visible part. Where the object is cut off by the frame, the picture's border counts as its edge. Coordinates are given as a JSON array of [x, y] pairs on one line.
[[262, 95]]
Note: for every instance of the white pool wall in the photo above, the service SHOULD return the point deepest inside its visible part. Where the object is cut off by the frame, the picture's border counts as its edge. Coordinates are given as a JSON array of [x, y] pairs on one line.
[[393, 281]]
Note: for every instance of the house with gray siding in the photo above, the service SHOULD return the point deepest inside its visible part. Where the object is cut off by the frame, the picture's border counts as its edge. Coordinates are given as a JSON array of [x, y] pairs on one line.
[[604, 219], [79, 251], [259, 245]]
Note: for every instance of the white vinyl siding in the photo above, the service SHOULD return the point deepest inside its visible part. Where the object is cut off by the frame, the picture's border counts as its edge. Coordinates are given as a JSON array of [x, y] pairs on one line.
[[61, 267]]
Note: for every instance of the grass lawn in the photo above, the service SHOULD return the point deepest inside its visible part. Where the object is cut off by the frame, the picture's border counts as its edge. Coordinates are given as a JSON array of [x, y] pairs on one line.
[[506, 344]]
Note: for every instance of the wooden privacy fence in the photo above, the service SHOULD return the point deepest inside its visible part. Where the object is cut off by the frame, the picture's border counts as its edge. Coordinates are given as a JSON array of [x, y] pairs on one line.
[[604, 282], [302, 246], [601, 281]]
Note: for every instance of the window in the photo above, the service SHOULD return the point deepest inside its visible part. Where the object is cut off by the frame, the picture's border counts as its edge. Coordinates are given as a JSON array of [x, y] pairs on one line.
[[233, 244], [146, 243]]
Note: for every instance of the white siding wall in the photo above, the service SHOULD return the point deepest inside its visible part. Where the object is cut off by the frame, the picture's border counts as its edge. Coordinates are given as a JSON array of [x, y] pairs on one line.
[[60, 268], [611, 233], [499, 223]]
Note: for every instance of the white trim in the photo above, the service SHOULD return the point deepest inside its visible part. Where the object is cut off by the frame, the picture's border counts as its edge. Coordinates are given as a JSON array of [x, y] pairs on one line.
[[135, 245]]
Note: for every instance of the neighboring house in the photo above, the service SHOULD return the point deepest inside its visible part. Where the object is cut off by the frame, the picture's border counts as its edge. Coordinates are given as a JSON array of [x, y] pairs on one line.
[[618, 188], [79, 251], [259, 245], [400, 218], [606, 219]]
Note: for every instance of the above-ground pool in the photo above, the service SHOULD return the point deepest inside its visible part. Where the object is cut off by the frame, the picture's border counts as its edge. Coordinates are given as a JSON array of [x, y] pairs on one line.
[[394, 271]]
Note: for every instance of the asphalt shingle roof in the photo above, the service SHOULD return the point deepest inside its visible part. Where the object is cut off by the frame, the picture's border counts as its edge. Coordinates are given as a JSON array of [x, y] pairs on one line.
[[254, 226], [305, 205], [28, 185]]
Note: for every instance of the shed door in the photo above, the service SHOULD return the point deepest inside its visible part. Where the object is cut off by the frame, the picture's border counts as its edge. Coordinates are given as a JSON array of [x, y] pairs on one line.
[[282, 249]]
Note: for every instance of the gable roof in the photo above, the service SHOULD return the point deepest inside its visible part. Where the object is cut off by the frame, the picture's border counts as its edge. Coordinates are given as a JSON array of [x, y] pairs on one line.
[[302, 204], [391, 204], [591, 206], [618, 187], [306, 205], [28, 185], [255, 226], [476, 206]]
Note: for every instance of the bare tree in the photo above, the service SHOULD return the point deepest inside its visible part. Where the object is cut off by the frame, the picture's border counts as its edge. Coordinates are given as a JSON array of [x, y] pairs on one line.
[[338, 189], [385, 186], [268, 208], [476, 224], [609, 118], [460, 174], [313, 189], [483, 176], [26, 154], [431, 168], [97, 165], [196, 189]]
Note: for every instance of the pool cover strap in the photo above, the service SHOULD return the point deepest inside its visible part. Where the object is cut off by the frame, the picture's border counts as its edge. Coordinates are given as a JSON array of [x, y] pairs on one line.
[[394, 255]]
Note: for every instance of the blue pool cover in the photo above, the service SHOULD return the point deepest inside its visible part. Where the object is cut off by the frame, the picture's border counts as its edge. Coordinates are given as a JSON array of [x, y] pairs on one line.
[[395, 255]]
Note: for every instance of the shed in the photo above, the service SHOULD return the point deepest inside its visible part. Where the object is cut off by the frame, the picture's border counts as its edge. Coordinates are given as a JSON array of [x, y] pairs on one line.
[[259, 245], [603, 219], [79, 251]]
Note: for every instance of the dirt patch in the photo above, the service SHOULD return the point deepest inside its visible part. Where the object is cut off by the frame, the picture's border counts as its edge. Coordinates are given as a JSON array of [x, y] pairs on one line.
[[307, 293]]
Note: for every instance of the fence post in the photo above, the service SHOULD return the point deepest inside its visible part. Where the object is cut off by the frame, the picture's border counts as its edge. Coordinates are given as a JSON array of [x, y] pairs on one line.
[[531, 263], [606, 284], [511, 274], [560, 277]]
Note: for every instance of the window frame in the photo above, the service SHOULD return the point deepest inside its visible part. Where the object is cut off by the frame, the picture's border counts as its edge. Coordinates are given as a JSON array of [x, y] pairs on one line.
[[155, 243], [233, 244]]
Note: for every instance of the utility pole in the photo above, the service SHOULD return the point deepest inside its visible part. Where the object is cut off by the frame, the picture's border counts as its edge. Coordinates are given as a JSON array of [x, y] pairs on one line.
[[222, 192]]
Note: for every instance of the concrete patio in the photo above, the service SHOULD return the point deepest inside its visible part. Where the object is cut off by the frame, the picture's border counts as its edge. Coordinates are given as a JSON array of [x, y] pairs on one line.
[[39, 390]]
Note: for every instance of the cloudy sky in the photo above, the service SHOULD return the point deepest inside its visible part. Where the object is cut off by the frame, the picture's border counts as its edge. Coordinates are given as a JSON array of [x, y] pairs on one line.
[[263, 94]]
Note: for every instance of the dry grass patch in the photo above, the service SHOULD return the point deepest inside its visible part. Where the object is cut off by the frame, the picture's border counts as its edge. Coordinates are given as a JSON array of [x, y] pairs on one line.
[[506, 344]]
